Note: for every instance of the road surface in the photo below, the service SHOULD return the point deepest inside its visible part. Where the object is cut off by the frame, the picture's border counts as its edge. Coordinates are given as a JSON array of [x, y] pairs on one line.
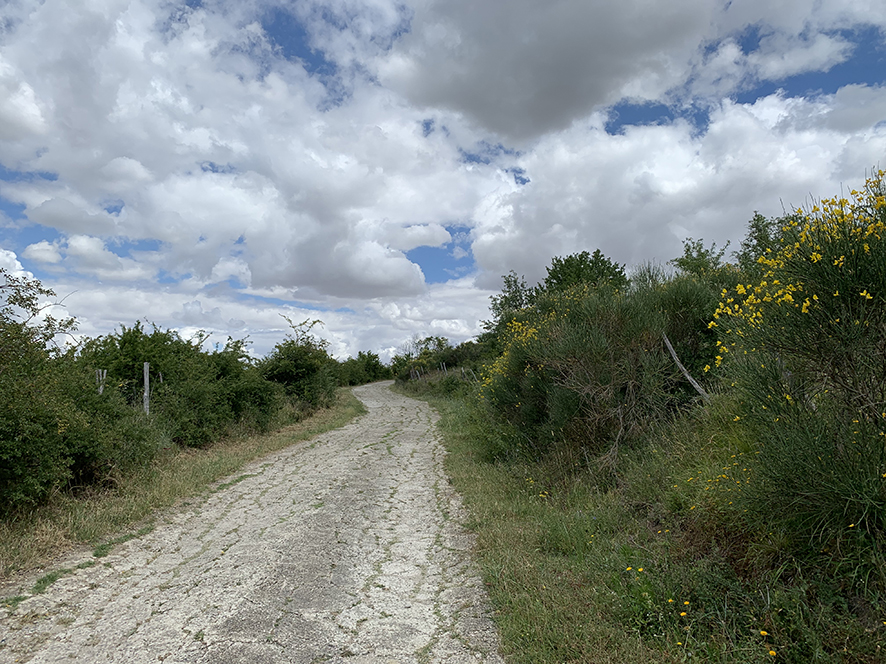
[[343, 549]]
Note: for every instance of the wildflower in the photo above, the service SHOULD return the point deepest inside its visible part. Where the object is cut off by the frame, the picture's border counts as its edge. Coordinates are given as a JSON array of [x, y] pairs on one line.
[[763, 632], [682, 613]]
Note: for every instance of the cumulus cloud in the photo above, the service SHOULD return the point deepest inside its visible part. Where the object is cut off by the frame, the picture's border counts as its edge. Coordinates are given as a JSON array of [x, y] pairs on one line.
[[9, 262], [66, 216], [780, 56], [522, 69], [19, 112], [43, 252], [90, 256], [208, 179], [638, 195]]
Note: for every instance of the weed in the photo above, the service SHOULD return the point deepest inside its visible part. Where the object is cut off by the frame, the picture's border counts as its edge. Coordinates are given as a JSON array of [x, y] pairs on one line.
[[10, 603], [48, 579]]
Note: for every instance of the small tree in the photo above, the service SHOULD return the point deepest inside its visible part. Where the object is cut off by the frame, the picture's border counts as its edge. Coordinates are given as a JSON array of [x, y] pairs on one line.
[[514, 296], [699, 260], [761, 238], [594, 270]]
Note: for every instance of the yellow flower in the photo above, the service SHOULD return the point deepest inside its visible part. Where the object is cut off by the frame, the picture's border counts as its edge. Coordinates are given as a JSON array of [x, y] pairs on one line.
[[763, 632]]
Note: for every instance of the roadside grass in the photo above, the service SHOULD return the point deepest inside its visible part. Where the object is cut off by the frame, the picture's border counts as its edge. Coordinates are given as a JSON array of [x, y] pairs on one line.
[[31, 538], [654, 562]]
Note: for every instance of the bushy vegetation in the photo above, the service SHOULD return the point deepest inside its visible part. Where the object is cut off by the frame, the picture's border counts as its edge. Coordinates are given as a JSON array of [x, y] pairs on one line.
[[724, 502], [72, 416], [430, 355], [365, 368], [196, 395]]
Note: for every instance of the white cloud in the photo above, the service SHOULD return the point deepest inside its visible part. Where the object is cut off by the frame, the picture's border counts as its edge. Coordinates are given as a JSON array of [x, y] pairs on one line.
[[255, 183], [522, 69], [856, 108], [43, 252], [20, 113], [66, 216], [9, 262], [637, 196], [89, 256], [780, 56]]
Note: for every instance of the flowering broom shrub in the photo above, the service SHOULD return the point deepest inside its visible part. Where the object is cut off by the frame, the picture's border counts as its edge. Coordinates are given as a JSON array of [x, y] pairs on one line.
[[807, 347], [588, 367]]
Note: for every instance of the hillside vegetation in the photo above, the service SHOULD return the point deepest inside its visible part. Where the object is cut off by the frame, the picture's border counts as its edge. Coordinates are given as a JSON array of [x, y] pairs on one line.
[[687, 464]]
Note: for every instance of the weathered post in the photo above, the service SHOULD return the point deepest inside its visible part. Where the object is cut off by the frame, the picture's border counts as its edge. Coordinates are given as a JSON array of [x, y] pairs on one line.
[[147, 397]]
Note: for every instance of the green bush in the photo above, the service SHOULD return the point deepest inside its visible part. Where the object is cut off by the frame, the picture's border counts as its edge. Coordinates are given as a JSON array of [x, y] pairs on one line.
[[196, 396], [806, 348], [56, 431], [587, 366], [365, 368], [301, 365]]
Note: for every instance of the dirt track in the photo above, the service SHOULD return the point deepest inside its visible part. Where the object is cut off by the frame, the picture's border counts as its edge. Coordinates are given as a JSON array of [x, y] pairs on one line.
[[346, 548]]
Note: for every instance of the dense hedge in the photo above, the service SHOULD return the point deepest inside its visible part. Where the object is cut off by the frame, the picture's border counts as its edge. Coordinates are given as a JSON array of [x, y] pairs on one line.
[[61, 430]]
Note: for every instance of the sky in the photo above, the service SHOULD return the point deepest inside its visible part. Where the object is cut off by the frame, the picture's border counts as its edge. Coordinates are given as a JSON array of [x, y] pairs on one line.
[[220, 165]]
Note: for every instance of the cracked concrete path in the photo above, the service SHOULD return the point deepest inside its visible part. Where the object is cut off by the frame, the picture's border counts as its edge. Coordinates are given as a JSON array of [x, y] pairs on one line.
[[345, 548]]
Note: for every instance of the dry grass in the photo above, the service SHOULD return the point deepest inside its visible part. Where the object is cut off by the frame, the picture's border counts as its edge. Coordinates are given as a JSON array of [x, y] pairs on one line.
[[29, 539]]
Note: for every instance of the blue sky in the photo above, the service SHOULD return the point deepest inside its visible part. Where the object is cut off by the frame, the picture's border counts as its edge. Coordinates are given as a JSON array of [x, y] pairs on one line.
[[217, 164]]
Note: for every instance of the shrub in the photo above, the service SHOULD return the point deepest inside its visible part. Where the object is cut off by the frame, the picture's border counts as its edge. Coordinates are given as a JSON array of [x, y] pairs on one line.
[[301, 365], [365, 368], [55, 430], [587, 366], [195, 395], [806, 345]]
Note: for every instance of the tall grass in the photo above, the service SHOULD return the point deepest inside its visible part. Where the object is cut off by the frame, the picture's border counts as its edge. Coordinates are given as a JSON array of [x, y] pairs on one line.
[[660, 566]]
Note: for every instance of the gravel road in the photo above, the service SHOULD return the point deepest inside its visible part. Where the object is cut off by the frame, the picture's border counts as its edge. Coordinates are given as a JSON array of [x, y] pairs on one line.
[[346, 548]]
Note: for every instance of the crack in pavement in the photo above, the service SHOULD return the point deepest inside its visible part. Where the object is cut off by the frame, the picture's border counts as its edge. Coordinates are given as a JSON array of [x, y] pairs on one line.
[[347, 548]]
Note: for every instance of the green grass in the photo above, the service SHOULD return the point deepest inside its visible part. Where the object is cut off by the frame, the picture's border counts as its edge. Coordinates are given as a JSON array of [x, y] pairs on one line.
[[48, 579], [31, 538], [584, 570]]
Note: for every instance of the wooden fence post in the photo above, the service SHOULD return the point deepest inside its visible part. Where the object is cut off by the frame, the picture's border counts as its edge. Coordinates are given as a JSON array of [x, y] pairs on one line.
[[147, 397]]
